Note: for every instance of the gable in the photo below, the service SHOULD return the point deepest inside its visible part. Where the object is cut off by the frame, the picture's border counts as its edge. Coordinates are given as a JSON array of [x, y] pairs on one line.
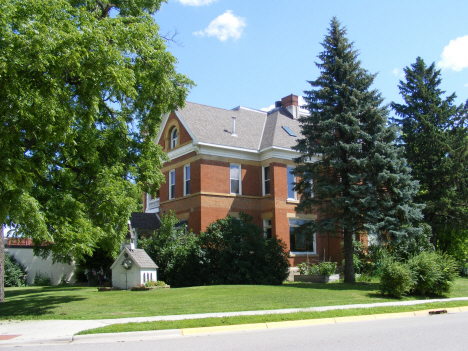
[[171, 122]]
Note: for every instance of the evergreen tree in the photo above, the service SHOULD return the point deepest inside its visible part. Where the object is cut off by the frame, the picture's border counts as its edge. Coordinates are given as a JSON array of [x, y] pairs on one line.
[[360, 182], [435, 135]]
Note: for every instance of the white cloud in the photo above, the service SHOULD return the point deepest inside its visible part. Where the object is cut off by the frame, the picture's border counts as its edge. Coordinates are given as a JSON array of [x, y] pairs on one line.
[[455, 54], [397, 73], [269, 108], [196, 2], [224, 27], [301, 101], [466, 85]]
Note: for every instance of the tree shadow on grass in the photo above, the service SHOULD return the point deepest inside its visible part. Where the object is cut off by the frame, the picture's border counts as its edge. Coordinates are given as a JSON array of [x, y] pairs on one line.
[[16, 292], [33, 302], [335, 286]]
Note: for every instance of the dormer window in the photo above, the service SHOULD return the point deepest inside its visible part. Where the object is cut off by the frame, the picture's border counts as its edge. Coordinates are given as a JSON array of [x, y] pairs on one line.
[[174, 137]]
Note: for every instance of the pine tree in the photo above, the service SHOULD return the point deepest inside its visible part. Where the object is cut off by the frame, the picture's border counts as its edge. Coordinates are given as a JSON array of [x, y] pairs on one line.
[[435, 135], [361, 182]]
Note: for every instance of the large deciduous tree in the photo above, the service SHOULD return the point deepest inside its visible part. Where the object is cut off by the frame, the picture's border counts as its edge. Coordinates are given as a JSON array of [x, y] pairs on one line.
[[435, 136], [361, 182], [83, 86]]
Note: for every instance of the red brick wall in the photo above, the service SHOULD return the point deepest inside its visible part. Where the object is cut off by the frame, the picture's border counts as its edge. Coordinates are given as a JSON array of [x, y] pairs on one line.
[[212, 178]]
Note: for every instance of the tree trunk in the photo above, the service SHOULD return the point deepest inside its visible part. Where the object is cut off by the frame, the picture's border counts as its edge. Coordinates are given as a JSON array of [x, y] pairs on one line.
[[348, 256], [2, 263]]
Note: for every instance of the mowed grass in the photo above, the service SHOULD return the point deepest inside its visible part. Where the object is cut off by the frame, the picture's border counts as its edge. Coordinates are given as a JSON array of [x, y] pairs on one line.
[[87, 303], [225, 321]]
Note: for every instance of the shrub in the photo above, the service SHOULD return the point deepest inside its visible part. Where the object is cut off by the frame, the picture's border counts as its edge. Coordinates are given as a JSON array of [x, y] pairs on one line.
[[15, 274], [42, 279], [151, 283], [321, 268], [178, 254], [434, 273], [396, 278], [236, 253]]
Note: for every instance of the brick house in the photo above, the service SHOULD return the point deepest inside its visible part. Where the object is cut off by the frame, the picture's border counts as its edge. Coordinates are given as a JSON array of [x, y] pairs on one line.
[[223, 162]]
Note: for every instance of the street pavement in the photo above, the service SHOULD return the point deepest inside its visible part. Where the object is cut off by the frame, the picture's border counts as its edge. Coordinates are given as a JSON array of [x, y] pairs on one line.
[[18, 333]]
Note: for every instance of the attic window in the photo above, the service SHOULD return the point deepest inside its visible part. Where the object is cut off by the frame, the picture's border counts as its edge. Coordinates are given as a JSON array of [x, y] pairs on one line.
[[174, 138], [289, 131]]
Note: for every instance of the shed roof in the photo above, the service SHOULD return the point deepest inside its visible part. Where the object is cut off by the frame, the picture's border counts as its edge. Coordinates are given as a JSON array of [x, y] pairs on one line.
[[139, 256]]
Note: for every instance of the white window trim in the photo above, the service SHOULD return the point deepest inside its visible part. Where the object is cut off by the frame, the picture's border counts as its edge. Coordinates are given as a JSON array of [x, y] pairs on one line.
[[174, 140], [263, 180], [294, 179], [171, 195], [185, 179], [240, 178]]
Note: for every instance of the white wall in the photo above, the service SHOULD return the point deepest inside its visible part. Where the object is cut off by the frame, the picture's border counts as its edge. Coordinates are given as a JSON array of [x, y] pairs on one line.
[[151, 273], [128, 278], [35, 264]]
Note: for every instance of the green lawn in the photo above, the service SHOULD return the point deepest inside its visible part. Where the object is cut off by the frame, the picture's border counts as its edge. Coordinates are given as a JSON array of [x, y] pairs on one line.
[[87, 303], [223, 321]]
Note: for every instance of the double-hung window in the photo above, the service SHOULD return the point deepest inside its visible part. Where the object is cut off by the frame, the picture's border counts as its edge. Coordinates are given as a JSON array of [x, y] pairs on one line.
[[172, 184], [300, 240], [267, 228], [235, 177], [291, 181], [266, 180], [187, 179]]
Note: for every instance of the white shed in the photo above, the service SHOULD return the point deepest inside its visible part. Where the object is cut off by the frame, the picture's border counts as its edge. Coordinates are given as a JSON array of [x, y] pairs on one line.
[[133, 267]]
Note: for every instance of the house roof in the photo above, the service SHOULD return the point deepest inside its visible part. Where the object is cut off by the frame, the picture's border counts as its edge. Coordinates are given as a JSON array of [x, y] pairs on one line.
[[255, 130], [139, 256], [141, 220]]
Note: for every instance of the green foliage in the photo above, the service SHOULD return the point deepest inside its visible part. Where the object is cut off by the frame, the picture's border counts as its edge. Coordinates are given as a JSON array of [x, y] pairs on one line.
[[361, 182], [396, 278], [434, 273], [435, 135], [15, 274], [99, 262], [321, 268], [151, 283], [42, 279], [82, 96], [177, 254], [408, 246], [372, 259], [236, 253], [463, 269]]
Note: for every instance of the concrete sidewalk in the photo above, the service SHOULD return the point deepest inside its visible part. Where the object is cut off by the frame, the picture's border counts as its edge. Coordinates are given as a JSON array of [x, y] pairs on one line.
[[15, 333]]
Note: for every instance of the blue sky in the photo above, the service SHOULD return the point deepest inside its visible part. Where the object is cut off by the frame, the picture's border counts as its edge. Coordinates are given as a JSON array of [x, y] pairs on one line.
[[252, 53]]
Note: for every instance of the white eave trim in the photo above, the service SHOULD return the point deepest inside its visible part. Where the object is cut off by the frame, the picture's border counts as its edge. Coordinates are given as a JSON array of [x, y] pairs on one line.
[[247, 154]]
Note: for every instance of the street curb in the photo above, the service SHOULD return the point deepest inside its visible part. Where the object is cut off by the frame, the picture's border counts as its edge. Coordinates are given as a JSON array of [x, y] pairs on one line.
[[53, 341], [126, 336], [308, 322]]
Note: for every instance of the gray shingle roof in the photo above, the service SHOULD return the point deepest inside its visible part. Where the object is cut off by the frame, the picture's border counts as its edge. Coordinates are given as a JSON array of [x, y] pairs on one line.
[[141, 220], [141, 258], [275, 135], [255, 130]]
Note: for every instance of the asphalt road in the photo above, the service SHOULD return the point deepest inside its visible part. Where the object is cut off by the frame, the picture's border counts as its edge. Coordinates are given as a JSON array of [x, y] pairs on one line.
[[437, 332]]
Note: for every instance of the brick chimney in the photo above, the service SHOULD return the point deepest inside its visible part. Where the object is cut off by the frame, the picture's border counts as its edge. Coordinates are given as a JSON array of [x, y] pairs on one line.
[[290, 102]]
